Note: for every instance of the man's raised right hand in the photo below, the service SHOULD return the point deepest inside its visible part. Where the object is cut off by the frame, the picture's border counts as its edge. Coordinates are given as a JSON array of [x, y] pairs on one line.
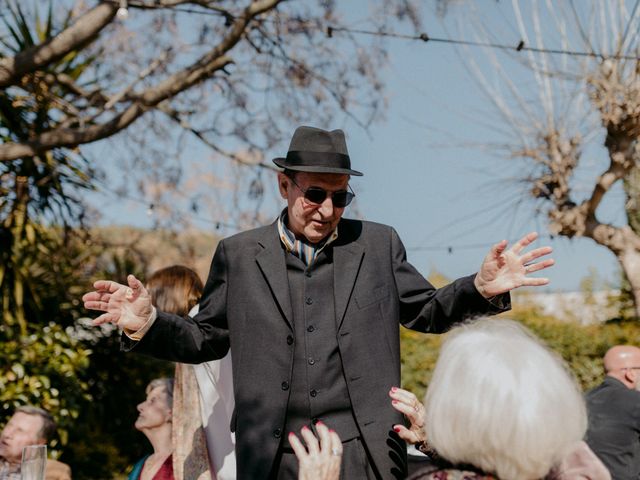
[[128, 307]]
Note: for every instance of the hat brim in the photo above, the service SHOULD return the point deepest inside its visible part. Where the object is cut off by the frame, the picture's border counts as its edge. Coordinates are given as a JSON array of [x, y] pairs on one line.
[[282, 163]]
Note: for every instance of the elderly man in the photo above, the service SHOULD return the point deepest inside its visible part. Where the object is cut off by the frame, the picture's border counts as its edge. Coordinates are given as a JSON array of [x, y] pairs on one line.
[[310, 306], [28, 426], [614, 413]]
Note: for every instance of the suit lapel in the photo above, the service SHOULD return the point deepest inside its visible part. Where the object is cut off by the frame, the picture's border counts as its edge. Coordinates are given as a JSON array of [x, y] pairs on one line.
[[273, 266], [347, 259]]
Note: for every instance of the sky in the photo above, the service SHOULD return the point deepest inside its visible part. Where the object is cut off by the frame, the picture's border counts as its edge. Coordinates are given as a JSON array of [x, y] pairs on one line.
[[448, 202]]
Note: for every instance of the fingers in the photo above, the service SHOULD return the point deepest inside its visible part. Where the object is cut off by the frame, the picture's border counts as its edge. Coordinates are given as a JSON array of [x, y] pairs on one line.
[[336, 443], [405, 434], [96, 305], [534, 267], [297, 446], [329, 444], [105, 318], [136, 288], [107, 286], [310, 439], [524, 242], [498, 248], [535, 282], [536, 253]]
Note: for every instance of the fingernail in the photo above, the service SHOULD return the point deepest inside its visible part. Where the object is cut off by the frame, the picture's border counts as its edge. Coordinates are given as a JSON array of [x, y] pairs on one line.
[[396, 429], [395, 402], [319, 422], [291, 433], [331, 430], [393, 389], [305, 428]]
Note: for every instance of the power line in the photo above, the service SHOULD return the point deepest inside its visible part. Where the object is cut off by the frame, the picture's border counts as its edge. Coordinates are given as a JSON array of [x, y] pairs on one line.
[[521, 46], [423, 37]]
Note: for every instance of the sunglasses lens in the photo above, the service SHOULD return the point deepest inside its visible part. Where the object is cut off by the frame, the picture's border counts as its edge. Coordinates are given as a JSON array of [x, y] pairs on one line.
[[315, 195], [342, 199]]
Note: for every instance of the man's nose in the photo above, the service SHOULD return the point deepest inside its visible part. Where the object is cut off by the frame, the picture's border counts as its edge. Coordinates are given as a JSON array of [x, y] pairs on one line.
[[326, 207]]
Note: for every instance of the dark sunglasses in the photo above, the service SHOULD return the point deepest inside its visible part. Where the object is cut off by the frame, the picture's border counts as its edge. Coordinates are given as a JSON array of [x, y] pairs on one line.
[[317, 195]]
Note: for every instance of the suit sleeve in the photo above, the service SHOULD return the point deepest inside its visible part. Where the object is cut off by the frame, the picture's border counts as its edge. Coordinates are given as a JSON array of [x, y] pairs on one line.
[[192, 340], [434, 310]]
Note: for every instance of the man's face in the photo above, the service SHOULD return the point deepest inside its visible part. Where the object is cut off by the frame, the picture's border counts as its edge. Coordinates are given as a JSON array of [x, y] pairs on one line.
[[312, 221], [154, 411], [22, 430]]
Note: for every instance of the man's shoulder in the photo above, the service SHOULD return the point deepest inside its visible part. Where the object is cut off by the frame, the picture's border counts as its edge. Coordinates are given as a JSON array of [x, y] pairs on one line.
[[252, 235], [349, 226], [612, 388], [57, 470]]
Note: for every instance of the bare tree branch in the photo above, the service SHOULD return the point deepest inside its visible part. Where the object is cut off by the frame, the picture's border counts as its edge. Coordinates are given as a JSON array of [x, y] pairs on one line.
[[83, 30]]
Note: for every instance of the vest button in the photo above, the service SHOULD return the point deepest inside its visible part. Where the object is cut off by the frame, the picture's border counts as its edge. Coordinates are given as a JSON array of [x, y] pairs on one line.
[[309, 300], [277, 433], [289, 339], [313, 393], [310, 328], [285, 385]]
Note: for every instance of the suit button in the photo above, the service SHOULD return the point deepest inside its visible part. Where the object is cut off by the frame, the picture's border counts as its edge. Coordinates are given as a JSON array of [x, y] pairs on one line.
[[289, 340], [285, 385], [313, 393], [311, 361], [309, 300], [310, 328], [277, 433]]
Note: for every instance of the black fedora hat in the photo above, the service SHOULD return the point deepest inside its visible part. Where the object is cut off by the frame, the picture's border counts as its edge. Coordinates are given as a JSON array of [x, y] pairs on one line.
[[317, 151]]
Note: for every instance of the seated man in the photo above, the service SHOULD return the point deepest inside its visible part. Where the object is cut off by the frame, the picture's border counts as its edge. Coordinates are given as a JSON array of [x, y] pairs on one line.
[[28, 426]]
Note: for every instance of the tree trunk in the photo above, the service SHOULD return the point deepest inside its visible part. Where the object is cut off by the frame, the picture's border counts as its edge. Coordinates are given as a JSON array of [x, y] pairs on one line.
[[630, 263]]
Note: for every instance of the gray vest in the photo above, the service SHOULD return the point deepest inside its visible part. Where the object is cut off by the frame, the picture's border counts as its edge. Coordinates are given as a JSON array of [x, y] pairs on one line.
[[318, 388]]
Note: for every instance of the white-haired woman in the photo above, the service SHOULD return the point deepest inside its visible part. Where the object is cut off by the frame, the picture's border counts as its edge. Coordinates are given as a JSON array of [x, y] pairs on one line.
[[500, 405], [154, 420]]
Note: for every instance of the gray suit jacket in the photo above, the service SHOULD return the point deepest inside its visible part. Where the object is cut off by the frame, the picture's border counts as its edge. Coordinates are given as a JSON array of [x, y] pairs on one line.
[[246, 305], [614, 428]]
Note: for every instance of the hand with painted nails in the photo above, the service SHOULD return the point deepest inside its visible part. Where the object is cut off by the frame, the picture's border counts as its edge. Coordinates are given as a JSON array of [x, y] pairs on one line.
[[127, 306], [318, 460], [503, 270], [408, 404]]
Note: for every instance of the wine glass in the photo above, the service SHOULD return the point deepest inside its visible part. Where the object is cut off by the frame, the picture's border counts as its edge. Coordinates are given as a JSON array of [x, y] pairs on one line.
[[34, 459]]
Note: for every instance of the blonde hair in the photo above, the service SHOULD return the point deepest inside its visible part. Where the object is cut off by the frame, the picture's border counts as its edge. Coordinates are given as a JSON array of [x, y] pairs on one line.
[[176, 289], [503, 402]]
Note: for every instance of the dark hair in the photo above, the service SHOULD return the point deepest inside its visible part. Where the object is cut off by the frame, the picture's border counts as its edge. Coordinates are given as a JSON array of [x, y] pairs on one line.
[[289, 173], [176, 289], [49, 426]]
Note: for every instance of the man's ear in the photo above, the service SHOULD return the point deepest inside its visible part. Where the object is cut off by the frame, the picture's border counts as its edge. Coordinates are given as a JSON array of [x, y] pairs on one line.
[[283, 185], [630, 376]]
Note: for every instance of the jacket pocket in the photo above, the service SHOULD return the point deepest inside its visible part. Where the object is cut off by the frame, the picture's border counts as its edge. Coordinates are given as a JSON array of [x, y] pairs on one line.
[[364, 299]]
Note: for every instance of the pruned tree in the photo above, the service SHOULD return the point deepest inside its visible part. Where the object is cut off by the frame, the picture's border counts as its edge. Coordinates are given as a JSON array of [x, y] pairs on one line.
[[566, 89]]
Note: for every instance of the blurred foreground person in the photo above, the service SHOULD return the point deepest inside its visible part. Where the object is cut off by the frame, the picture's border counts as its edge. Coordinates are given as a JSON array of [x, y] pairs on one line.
[[614, 413], [203, 394], [154, 420], [28, 426], [500, 405]]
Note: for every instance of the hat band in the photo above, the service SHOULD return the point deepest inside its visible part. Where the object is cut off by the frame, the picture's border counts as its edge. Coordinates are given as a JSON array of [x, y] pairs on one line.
[[318, 159]]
